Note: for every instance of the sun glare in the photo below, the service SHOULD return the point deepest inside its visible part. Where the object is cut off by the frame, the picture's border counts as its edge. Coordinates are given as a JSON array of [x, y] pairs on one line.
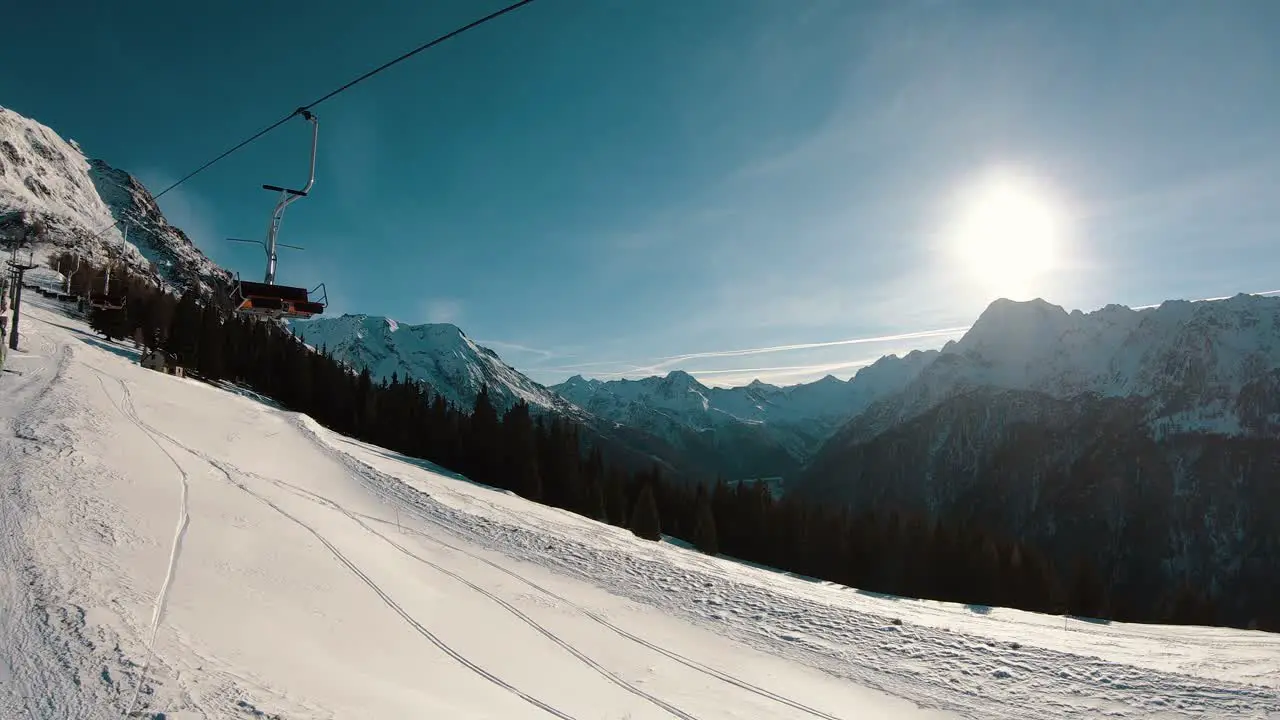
[[1008, 236]]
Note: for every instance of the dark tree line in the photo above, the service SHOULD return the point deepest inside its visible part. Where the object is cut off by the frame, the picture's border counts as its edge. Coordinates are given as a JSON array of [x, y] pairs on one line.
[[545, 459]]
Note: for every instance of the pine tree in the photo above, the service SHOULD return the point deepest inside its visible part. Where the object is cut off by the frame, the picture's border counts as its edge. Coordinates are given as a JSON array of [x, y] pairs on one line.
[[362, 408], [593, 506], [593, 480], [519, 467], [211, 346], [482, 460], [111, 324], [704, 530], [184, 329], [1191, 607], [615, 499], [1087, 592], [644, 516]]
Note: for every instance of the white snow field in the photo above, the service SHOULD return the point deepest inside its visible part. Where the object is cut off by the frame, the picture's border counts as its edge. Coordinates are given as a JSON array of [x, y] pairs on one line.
[[171, 549]]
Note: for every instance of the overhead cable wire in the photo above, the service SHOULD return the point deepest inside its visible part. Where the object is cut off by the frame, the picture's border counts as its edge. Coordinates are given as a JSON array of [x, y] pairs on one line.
[[415, 51], [306, 108]]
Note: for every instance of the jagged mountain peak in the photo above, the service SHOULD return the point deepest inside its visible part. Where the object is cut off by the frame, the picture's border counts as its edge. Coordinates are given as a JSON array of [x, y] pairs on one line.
[[439, 354], [173, 255], [758, 384], [682, 380], [92, 209], [578, 381], [1010, 326], [80, 202], [1192, 362]]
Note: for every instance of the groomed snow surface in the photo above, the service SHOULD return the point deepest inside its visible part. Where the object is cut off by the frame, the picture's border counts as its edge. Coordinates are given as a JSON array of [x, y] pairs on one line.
[[171, 549]]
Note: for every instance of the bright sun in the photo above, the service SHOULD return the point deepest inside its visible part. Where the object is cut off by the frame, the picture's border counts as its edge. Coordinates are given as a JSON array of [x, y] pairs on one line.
[[1008, 236]]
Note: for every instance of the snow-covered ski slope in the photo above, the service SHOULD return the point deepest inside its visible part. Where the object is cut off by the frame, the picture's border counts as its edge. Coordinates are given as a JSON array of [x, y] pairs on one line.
[[176, 550]]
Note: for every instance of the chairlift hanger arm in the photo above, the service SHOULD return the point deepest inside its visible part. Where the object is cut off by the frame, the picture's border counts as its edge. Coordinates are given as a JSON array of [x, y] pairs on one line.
[[311, 177], [289, 196]]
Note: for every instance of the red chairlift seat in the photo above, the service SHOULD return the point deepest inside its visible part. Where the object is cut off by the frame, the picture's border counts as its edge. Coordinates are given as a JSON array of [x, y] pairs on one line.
[[106, 302], [269, 300]]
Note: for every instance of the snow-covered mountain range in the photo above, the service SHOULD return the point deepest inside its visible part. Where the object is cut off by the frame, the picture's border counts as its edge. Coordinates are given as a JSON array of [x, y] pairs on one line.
[[755, 431], [778, 428], [1197, 366], [438, 354], [79, 201]]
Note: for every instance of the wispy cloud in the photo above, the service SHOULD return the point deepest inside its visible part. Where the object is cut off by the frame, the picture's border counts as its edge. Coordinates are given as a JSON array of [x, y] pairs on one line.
[[442, 310], [666, 363], [787, 368], [654, 366], [519, 348], [809, 346], [779, 375], [187, 211]]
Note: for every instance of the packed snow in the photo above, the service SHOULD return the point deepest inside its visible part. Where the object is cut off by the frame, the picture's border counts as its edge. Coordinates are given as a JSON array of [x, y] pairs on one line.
[[173, 549]]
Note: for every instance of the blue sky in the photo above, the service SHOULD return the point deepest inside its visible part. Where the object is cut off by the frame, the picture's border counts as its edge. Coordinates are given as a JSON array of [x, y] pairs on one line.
[[616, 187]]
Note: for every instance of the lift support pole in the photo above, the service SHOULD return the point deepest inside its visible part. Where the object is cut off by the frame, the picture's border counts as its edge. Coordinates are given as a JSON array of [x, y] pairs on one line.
[[16, 272]]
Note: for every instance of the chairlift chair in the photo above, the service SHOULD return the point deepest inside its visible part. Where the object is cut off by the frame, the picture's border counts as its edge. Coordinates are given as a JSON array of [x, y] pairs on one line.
[[267, 299], [103, 301]]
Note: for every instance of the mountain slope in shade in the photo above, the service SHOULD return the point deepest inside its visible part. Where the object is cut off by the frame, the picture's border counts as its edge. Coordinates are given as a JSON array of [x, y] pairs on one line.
[[44, 177], [438, 354], [1148, 439], [175, 257]]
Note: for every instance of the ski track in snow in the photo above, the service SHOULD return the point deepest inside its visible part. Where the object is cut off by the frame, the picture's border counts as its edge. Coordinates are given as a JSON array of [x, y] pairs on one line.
[[791, 624], [597, 667], [24, 671], [227, 470], [382, 491], [130, 413], [692, 664]]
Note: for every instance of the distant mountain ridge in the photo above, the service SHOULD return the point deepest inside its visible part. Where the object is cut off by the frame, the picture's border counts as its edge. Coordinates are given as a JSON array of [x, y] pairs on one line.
[[755, 431], [773, 430]]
